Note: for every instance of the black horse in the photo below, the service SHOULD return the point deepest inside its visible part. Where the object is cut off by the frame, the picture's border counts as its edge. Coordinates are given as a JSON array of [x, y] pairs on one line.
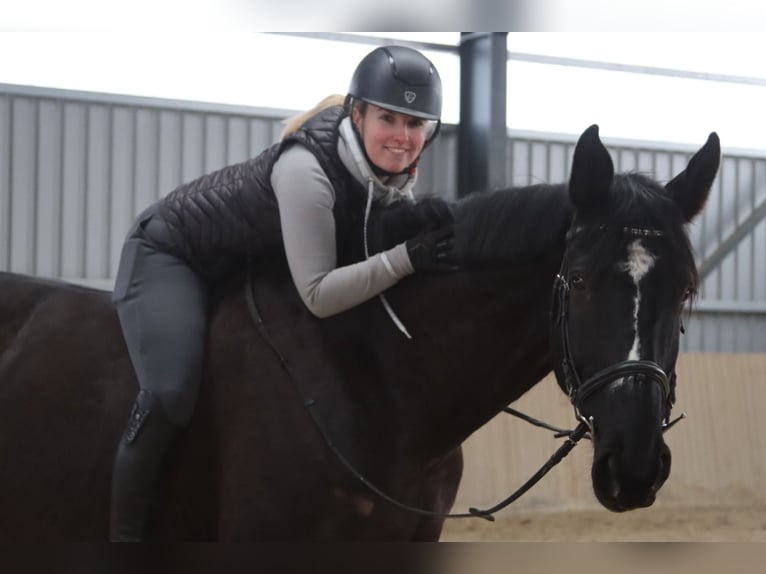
[[285, 401]]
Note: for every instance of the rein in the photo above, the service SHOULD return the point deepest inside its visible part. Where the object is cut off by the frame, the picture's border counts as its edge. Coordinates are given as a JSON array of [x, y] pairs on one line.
[[576, 389], [573, 437]]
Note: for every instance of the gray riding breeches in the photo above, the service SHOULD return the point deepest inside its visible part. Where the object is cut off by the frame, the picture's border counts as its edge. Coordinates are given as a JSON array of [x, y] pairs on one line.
[[162, 305]]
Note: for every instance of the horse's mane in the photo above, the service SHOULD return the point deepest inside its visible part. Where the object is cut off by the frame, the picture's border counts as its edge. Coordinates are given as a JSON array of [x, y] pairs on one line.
[[512, 225], [518, 225]]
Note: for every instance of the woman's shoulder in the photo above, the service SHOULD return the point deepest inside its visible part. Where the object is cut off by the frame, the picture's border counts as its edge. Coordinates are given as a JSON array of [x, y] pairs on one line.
[[297, 156], [298, 168]]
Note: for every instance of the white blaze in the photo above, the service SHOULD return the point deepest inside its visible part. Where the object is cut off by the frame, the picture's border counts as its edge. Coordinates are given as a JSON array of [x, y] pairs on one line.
[[637, 265]]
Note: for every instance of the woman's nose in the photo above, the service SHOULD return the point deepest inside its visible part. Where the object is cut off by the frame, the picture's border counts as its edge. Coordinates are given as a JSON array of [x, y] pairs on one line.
[[402, 131]]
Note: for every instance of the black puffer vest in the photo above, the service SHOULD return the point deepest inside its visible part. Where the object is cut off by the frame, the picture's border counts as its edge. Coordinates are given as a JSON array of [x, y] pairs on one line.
[[229, 218]]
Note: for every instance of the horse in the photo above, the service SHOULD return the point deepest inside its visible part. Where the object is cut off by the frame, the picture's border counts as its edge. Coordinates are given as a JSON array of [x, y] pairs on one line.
[[299, 418]]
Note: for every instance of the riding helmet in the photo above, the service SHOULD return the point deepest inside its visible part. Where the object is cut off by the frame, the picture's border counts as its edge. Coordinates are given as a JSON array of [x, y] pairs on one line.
[[399, 79]]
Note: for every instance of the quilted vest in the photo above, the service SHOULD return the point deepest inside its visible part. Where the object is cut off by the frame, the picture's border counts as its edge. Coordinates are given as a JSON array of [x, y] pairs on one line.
[[230, 218]]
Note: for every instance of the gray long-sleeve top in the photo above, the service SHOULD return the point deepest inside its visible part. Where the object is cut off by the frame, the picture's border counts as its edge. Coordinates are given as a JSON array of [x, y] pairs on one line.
[[306, 197]]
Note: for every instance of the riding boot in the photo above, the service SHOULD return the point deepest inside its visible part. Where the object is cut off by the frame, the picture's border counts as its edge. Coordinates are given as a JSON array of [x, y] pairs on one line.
[[138, 466]]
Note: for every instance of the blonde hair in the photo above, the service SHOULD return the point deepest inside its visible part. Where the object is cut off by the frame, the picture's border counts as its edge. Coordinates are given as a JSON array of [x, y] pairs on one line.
[[294, 123]]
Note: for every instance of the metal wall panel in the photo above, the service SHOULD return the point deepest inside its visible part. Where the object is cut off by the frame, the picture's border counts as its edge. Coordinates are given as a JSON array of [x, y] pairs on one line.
[[94, 257], [75, 169]]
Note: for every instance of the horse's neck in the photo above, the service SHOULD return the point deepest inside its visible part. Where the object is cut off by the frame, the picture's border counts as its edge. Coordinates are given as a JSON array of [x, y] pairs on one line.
[[481, 336], [480, 341]]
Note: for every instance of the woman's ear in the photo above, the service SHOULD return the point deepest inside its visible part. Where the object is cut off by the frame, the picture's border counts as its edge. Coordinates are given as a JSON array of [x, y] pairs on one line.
[[356, 118]]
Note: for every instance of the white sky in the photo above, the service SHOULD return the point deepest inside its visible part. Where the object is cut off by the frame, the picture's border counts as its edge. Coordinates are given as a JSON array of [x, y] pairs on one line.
[[256, 69]]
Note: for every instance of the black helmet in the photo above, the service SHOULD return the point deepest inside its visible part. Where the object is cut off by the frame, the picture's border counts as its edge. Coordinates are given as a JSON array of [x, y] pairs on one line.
[[399, 79]]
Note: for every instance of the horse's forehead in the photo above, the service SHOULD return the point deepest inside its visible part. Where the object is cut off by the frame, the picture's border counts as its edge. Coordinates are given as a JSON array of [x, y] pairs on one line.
[[626, 251], [638, 261]]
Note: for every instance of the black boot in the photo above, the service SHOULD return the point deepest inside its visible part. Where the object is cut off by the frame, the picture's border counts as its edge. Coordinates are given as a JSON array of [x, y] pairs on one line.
[[138, 469]]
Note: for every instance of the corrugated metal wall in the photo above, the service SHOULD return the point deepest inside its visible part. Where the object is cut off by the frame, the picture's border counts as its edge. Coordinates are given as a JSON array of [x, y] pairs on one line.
[[76, 167]]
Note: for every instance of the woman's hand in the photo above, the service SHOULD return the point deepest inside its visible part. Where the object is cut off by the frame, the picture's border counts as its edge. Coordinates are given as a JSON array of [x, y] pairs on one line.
[[433, 250]]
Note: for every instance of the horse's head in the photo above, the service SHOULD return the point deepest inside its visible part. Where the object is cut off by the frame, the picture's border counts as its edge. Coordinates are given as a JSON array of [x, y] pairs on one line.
[[627, 273]]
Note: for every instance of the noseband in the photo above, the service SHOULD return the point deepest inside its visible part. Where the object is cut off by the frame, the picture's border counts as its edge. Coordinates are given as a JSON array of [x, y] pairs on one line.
[[641, 370]]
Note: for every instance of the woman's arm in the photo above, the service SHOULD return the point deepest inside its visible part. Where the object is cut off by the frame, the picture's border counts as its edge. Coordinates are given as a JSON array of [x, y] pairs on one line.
[[306, 198]]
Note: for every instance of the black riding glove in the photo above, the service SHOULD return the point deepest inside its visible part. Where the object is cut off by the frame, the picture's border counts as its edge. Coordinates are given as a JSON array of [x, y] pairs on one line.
[[433, 250]]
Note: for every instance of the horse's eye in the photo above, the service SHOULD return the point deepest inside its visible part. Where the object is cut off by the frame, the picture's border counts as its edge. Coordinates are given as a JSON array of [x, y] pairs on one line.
[[687, 295], [578, 282]]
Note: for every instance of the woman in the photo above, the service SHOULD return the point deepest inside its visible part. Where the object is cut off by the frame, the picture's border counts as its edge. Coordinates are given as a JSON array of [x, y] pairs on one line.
[[331, 164]]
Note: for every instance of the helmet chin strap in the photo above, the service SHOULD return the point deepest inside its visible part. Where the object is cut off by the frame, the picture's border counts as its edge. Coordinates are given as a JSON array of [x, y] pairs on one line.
[[380, 172]]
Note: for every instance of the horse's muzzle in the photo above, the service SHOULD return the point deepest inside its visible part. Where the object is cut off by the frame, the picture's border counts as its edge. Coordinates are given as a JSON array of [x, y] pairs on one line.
[[622, 484]]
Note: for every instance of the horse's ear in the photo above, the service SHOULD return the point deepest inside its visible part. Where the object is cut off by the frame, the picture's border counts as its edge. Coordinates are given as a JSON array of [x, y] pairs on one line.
[[592, 171], [691, 187]]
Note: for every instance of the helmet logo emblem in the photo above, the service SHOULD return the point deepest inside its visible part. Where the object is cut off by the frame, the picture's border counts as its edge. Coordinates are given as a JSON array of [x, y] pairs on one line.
[[410, 96]]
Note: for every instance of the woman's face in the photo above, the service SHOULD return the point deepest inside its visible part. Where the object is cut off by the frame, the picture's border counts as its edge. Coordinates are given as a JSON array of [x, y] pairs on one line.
[[392, 140]]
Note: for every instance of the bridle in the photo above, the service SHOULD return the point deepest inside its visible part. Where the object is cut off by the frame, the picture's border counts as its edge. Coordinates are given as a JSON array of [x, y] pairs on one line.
[[568, 377]]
